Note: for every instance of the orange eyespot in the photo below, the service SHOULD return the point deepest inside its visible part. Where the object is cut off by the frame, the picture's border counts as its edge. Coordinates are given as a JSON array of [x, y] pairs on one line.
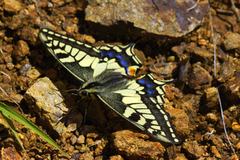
[[131, 71]]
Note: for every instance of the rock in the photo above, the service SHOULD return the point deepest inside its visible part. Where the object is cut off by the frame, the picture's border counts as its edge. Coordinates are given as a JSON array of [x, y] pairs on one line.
[[198, 53], [172, 18], [215, 152], [12, 6], [210, 97], [20, 50], [211, 117], [231, 41], [11, 95], [87, 156], [227, 70], [193, 149], [29, 35], [27, 17], [231, 88], [80, 139], [180, 156], [116, 157], [235, 127], [180, 120], [164, 70], [33, 74], [198, 77], [132, 146], [178, 50], [44, 98], [10, 153], [237, 146]]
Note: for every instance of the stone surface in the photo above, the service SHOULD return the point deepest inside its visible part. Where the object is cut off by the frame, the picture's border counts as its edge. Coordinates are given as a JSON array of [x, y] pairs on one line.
[[44, 98], [193, 149], [10, 153], [131, 145], [172, 18], [199, 76], [232, 41], [12, 6]]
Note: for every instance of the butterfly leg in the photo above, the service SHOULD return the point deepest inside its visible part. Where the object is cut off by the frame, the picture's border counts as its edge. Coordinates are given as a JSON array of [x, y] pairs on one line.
[[85, 112]]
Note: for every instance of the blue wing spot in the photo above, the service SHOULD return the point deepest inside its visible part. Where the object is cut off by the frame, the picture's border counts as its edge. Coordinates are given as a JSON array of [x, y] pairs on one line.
[[119, 56], [150, 92], [103, 54], [111, 54], [142, 81], [149, 85], [124, 63]]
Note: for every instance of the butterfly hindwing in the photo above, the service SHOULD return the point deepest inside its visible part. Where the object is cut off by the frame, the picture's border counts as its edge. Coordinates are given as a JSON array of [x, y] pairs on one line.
[[140, 101]]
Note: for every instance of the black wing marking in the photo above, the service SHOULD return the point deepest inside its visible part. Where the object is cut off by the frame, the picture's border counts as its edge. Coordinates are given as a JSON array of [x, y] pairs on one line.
[[140, 102]]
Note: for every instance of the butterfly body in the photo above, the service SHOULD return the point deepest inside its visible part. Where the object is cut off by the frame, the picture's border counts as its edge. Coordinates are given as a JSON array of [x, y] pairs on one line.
[[109, 73]]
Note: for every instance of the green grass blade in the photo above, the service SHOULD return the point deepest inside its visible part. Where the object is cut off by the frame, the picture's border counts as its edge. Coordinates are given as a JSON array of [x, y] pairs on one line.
[[9, 112]]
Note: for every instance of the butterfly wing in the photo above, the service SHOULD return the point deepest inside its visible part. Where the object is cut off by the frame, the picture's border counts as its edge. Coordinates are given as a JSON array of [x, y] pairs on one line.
[[124, 57], [82, 60], [140, 102], [78, 58]]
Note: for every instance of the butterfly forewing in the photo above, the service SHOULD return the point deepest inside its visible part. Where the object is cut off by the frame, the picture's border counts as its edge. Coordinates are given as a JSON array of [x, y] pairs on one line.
[[124, 58], [109, 73], [78, 58]]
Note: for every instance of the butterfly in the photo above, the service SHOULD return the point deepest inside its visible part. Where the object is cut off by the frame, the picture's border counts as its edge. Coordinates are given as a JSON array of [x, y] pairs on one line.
[[108, 72]]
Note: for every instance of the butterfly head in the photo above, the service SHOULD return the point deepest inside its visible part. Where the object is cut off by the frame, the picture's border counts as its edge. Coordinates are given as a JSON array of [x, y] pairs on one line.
[[88, 88]]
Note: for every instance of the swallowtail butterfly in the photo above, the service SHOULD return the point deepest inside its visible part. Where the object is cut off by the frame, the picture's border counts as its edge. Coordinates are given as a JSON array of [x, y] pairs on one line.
[[108, 72]]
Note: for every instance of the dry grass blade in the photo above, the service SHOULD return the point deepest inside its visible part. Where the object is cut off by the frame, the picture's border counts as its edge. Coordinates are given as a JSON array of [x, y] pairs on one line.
[[219, 98]]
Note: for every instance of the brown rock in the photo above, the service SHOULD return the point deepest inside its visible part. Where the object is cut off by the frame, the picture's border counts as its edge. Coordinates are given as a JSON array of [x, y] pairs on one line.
[[116, 157], [232, 41], [198, 53], [193, 149], [215, 152], [12, 6], [237, 146], [199, 76], [33, 73], [81, 139], [210, 97], [181, 121], [227, 70], [164, 70], [87, 156], [231, 88], [47, 102], [129, 144], [27, 17], [28, 34], [10, 153], [211, 117], [180, 156], [152, 16], [10, 95], [20, 50], [235, 127]]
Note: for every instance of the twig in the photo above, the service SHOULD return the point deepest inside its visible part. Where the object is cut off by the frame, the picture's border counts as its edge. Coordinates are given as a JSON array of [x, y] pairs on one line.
[[235, 10]]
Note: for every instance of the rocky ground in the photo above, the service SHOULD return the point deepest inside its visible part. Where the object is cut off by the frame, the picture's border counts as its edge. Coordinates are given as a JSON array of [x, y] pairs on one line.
[[176, 42]]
